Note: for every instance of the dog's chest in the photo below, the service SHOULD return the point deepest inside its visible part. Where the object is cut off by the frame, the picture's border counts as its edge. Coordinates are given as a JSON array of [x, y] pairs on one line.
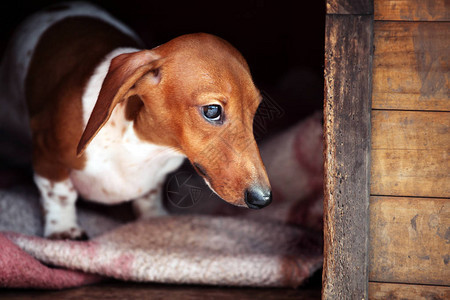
[[121, 167]]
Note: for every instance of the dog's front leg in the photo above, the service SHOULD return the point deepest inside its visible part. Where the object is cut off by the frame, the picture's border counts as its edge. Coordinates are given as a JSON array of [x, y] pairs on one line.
[[58, 205], [150, 205]]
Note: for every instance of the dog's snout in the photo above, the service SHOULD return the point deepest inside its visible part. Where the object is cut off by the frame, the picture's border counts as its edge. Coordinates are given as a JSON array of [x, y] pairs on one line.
[[257, 198]]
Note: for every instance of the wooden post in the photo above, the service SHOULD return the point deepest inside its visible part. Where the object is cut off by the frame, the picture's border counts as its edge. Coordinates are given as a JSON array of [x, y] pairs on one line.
[[347, 107]]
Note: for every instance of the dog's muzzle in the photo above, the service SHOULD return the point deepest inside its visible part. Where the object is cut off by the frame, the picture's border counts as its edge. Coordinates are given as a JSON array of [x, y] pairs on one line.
[[257, 198]]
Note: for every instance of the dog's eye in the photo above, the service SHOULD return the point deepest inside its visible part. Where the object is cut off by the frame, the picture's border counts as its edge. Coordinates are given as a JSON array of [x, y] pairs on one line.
[[212, 112]]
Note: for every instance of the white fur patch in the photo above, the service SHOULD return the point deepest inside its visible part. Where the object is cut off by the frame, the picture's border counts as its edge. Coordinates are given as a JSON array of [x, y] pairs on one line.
[[58, 203], [122, 167]]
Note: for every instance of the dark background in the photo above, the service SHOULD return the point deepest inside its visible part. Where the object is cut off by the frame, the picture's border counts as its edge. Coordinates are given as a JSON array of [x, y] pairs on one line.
[[282, 41]]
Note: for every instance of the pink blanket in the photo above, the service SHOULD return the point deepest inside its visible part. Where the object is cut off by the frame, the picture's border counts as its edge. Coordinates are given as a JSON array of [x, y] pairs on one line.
[[213, 243]]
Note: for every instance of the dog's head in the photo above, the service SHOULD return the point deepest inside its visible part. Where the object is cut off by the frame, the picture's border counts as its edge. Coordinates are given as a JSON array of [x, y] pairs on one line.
[[196, 95]]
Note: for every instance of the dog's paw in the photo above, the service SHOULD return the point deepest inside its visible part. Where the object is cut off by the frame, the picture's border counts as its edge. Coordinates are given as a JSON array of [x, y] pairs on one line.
[[73, 233], [147, 208]]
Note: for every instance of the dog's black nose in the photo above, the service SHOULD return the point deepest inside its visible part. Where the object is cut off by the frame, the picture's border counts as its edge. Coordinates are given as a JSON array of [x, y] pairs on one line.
[[257, 198]]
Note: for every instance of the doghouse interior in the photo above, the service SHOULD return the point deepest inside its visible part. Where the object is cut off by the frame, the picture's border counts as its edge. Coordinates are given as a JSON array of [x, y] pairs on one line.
[[283, 43]]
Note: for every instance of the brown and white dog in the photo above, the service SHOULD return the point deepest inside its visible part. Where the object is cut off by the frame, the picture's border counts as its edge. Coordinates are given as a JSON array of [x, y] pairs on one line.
[[109, 121]]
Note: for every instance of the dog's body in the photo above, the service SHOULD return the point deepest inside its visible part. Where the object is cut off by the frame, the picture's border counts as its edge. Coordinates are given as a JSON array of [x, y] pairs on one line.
[[109, 121]]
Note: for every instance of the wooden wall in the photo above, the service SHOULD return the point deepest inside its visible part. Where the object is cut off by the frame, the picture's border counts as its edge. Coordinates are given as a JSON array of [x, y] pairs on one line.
[[348, 72], [387, 150], [410, 152]]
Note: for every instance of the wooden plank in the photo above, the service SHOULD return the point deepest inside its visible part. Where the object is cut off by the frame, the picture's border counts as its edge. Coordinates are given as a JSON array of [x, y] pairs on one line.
[[412, 10], [394, 291], [399, 173], [348, 59], [352, 7], [413, 130], [410, 240], [410, 153], [411, 66]]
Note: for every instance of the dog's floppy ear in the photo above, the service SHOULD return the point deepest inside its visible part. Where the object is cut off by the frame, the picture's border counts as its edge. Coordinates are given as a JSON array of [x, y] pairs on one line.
[[125, 70]]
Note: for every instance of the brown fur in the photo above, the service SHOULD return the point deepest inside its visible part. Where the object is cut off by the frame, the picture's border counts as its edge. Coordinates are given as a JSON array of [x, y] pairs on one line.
[[134, 105], [63, 61]]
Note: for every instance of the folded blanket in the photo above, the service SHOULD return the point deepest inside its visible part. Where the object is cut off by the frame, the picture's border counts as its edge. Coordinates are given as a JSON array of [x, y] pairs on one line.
[[208, 243]]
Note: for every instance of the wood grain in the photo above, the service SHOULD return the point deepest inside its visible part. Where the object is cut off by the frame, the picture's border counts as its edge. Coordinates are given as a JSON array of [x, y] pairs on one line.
[[411, 66], [394, 291], [355, 7], [410, 153], [348, 54], [412, 10], [410, 240]]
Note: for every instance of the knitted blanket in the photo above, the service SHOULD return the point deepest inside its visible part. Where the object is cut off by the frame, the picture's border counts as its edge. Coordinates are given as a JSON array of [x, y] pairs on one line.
[[203, 241]]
